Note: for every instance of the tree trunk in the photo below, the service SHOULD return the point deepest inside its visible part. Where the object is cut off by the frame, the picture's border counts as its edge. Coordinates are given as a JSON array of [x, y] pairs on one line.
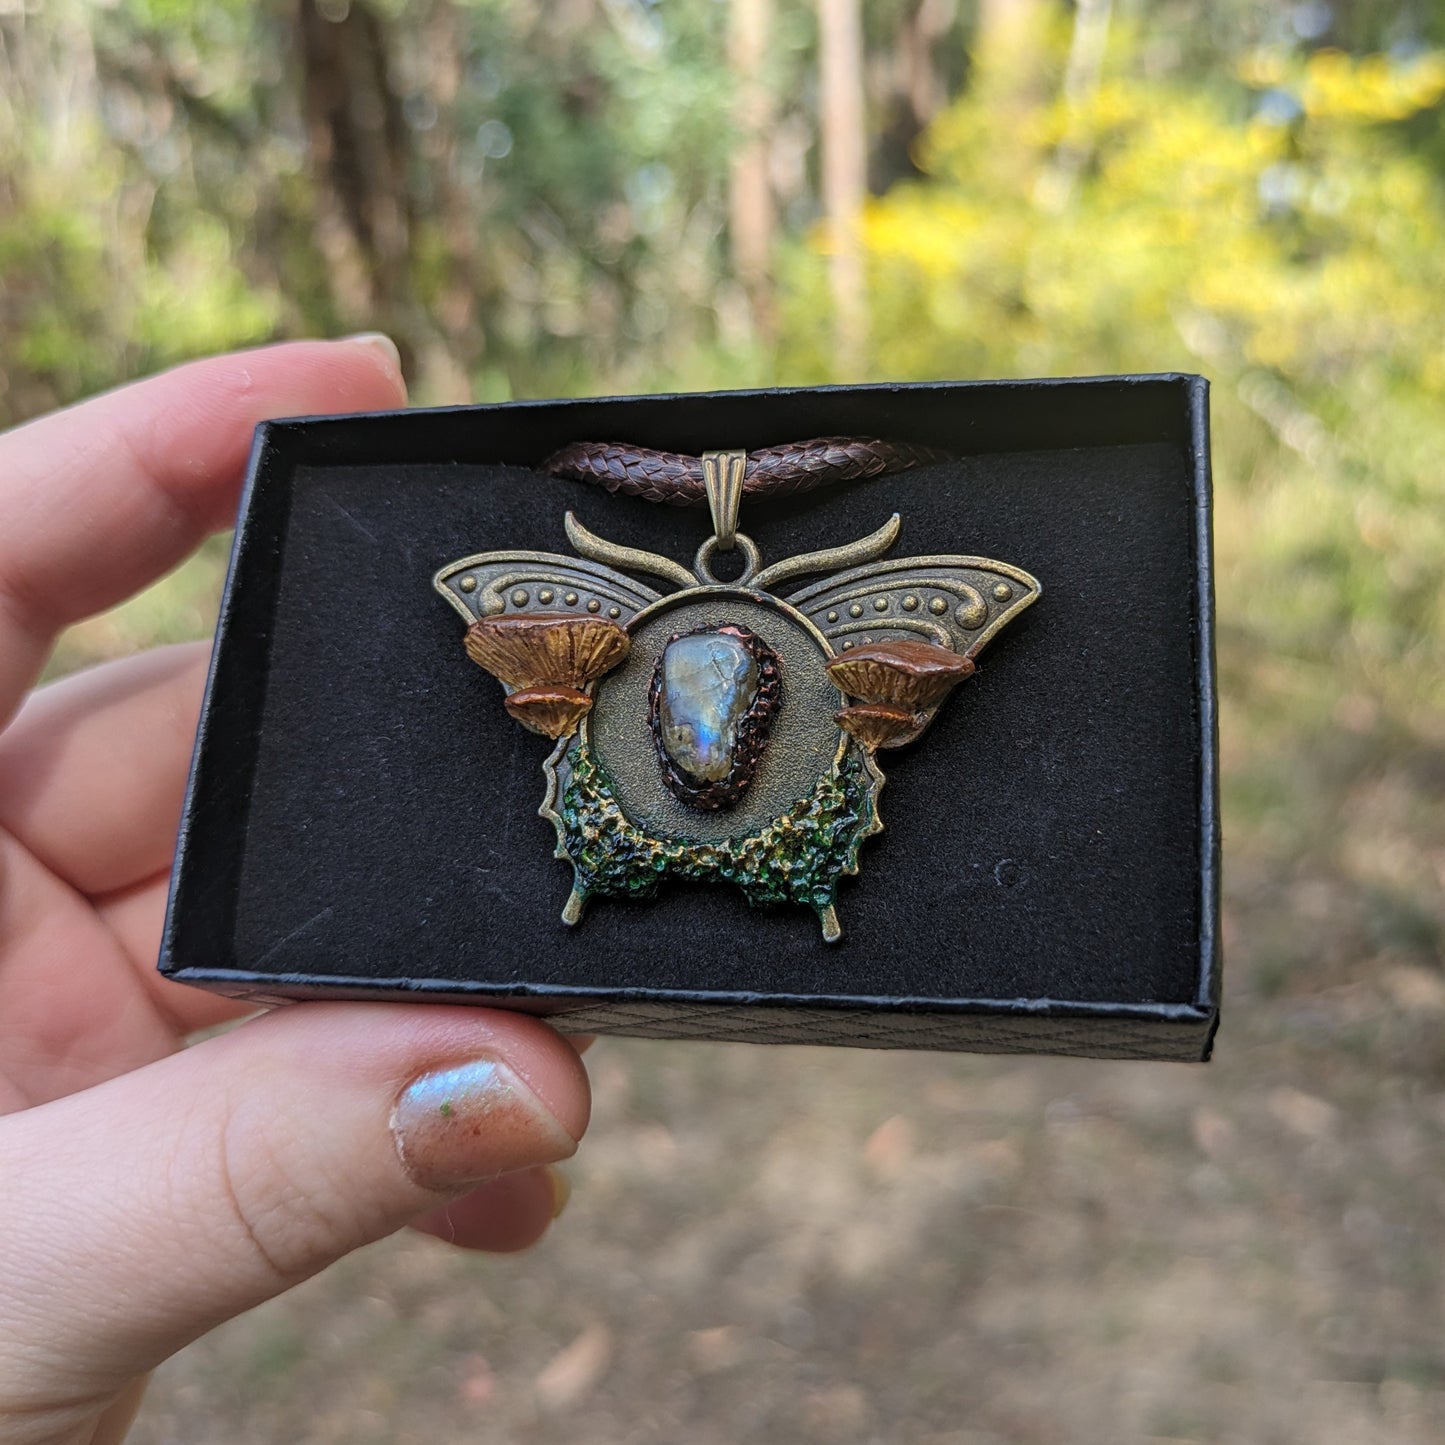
[[1009, 47], [752, 216], [845, 174], [454, 340], [919, 33], [358, 151], [1081, 81]]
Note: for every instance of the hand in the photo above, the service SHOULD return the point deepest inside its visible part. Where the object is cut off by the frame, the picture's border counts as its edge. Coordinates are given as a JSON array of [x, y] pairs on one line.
[[147, 1193]]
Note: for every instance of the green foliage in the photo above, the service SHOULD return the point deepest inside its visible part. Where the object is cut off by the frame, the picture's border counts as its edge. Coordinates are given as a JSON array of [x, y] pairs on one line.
[[111, 261], [169, 186]]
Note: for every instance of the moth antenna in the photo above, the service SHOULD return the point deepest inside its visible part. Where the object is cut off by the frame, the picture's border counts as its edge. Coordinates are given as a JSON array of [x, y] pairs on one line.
[[613, 554], [830, 559]]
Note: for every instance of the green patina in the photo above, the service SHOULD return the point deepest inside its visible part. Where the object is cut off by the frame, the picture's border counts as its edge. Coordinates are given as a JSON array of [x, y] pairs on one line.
[[797, 858]]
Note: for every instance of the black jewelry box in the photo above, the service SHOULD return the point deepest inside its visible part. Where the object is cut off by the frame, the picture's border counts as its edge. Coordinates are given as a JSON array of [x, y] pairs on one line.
[[362, 814]]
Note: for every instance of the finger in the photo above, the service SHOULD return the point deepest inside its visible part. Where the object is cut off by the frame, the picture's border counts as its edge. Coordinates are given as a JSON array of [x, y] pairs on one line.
[[102, 498], [93, 769], [134, 918], [141, 1213], [502, 1216], [72, 1011], [114, 1425]]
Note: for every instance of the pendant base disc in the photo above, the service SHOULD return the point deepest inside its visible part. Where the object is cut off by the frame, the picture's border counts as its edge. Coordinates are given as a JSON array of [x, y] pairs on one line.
[[805, 739]]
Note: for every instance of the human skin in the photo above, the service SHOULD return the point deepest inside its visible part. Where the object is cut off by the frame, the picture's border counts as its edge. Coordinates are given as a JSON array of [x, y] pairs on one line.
[[149, 1191]]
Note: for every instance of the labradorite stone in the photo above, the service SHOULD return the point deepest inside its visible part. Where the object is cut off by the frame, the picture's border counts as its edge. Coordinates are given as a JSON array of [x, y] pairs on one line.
[[709, 680]]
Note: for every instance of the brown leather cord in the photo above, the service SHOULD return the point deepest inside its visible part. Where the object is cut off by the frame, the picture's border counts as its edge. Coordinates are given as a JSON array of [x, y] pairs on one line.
[[676, 480]]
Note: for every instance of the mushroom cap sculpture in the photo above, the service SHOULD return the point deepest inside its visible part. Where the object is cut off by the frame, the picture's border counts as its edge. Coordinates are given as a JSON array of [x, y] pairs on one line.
[[546, 661], [915, 675], [900, 685], [881, 724], [553, 711], [546, 647]]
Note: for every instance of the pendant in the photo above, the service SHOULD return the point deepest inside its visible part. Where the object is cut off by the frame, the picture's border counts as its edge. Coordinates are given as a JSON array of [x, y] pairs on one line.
[[725, 731]]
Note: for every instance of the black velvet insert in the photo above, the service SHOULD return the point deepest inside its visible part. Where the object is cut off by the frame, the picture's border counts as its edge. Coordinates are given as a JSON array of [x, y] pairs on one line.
[[364, 809]]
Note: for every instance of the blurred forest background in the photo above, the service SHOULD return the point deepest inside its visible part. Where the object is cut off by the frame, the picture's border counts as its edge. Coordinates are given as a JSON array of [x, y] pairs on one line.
[[617, 195]]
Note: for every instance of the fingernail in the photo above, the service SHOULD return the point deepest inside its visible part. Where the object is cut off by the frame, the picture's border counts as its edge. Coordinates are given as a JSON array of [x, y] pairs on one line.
[[382, 342], [459, 1125], [561, 1191]]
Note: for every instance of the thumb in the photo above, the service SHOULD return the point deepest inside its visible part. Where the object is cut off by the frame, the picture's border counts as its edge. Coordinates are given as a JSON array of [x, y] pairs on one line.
[[138, 1214]]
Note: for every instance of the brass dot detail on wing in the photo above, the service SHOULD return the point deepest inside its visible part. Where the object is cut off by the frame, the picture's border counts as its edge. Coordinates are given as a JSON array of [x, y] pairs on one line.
[[519, 598], [880, 604], [614, 612], [594, 606], [910, 603], [469, 584], [938, 607], [546, 595], [832, 617], [570, 599], [856, 610], [847, 644], [1003, 592]]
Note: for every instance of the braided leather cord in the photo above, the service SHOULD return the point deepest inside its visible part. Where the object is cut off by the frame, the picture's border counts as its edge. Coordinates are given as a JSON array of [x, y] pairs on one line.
[[676, 480]]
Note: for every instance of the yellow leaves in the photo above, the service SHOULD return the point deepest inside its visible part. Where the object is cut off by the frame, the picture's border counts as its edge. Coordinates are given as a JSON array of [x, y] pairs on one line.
[[1264, 68], [1112, 105], [1312, 251], [1333, 85], [1431, 372], [931, 233], [1371, 87]]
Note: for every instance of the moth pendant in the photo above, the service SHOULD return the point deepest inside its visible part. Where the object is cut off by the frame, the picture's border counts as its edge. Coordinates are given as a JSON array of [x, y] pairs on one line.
[[725, 731]]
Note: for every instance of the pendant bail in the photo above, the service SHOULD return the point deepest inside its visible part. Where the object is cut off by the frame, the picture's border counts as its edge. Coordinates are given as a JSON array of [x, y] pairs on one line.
[[722, 474]]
